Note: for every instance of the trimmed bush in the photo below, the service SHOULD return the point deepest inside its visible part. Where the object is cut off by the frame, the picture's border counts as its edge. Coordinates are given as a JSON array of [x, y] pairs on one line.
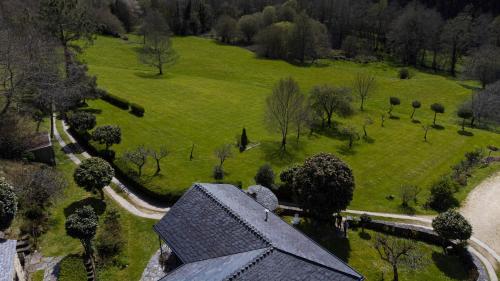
[[117, 101], [136, 109], [404, 73]]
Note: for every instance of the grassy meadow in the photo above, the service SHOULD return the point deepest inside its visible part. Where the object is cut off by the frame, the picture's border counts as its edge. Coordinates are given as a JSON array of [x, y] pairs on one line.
[[213, 91]]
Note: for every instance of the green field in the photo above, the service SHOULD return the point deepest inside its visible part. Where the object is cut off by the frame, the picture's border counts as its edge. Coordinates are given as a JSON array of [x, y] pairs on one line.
[[214, 91]]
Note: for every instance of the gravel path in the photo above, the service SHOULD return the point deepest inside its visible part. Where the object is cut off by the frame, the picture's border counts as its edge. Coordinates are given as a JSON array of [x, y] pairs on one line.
[[482, 209], [152, 212]]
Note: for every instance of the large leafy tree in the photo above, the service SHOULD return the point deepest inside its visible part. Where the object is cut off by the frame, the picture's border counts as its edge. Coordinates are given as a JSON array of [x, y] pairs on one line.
[[82, 225], [323, 185], [94, 174], [8, 205], [451, 225]]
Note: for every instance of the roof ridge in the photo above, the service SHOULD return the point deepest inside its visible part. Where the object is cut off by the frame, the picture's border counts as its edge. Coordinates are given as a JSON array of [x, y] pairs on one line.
[[251, 263], [252, 229]]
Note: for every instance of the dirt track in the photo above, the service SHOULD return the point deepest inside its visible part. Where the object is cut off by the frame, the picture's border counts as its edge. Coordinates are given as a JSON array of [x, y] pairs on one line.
[[482, 209]]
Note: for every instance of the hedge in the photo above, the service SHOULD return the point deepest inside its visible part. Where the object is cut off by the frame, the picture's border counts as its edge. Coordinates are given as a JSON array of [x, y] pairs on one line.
[[117, 101], [136, 109]]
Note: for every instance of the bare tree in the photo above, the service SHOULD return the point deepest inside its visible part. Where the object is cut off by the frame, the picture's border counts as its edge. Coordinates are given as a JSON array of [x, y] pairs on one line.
[[364, 84], [158, 155], [223, 152], [138, 157], [398, 252], [157, 50], [426, 130], [283, 105], [302, 118], [368, 122]]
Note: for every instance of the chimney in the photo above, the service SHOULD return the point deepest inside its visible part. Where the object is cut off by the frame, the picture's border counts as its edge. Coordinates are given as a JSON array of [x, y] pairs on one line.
[[267, 214]]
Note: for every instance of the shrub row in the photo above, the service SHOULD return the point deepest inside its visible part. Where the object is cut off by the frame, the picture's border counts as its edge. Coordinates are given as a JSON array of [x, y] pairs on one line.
[[136, 109], [115, 100], [122, 103]]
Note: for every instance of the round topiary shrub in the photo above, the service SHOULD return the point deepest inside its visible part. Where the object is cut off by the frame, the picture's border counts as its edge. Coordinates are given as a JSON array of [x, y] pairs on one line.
[[82, 121], [451, 225], [404, 73]]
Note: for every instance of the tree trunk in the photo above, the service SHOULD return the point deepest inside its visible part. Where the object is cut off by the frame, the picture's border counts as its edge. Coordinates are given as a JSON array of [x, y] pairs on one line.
[[472, 122], [413, 113], [453, 61], [435, 115], [364, 131], [158, 169], [283, 143], [329, 122], [434, 61], [52, 121], [395, 272], [67, 58], [362, 104], [463, 125]]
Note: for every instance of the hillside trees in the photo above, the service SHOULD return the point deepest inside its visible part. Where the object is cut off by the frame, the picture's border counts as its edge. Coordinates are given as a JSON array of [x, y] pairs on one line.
[[456, 38], [483, 65], [411, 32], [249, 25], [68, 21]]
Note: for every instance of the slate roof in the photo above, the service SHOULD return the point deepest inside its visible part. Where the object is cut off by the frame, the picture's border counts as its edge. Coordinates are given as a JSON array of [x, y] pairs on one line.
[[264, 196], [7, 255], [220, 233], [39, 141]]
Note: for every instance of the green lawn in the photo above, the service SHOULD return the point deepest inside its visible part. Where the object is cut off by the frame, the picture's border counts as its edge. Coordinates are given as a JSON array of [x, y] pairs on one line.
[[358, 252], [214, 91], [141, 241]]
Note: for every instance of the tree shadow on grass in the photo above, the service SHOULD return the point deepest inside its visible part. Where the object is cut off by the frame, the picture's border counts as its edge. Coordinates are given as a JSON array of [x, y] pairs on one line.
[[409, 210], [98, 205], [448, 265], [275, 155], [394, 117], [465, 133], [469, 87], [328, 237], [416, 121], [438, 127], [344, 149], [92, 110], [368, 139], [365, 235], [149, 75], [72, 148]]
